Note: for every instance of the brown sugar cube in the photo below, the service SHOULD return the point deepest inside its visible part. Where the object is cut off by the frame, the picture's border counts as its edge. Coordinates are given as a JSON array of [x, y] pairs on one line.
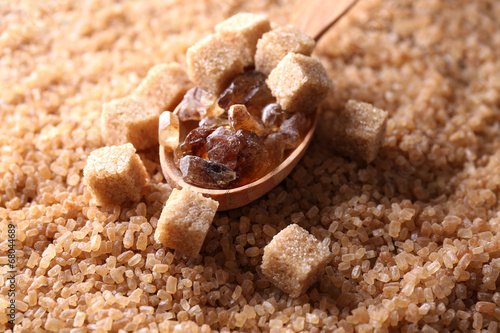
[[277, 43], [164, 86], [299, 83], [115, 174], [358, 130], [184, 221], [293, 260], [244, 30], [168, 130], [213, 62], [131, 120]]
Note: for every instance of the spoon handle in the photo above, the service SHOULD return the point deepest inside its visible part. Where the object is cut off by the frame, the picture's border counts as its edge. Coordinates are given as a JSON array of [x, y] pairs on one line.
[[315, 17]]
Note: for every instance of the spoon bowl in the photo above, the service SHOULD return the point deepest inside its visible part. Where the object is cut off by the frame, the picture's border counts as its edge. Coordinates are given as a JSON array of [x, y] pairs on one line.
[[243, 195]]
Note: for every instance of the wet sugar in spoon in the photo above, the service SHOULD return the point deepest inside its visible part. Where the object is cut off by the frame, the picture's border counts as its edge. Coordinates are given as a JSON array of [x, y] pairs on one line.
[[253, 112]]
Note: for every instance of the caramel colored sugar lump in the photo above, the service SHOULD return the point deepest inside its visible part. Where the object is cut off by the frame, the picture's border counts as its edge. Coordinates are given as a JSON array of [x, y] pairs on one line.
[[277, 43], [244, 30], [299, 83], [213, 62], [115, 174], [130, 120], [168, 130], [240, 118], [294, 259], [359, 130], [184, 221], [164, 86]]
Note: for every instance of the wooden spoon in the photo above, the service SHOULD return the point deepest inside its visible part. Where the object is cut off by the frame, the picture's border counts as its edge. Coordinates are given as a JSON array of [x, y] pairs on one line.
[[318, 16], [315, 17]]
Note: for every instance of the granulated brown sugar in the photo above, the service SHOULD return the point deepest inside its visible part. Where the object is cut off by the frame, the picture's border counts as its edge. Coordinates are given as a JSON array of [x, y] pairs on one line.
[[414, 234]]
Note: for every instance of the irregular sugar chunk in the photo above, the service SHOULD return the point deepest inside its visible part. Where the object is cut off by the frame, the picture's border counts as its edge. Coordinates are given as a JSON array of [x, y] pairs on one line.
[[215, 121], [273, 116], [130, 119], [293, 260], [115, 174], [200, 172], [177, 155], [240, 118], [164, 86], [244, 30], [168, 130], [194, 143], [213, 62], [222, 147], [253, 157], [276, 147], [299, 83], [293, 129], [197, 104], [358, 130], [249, 89], [277, 43], [185, 220]]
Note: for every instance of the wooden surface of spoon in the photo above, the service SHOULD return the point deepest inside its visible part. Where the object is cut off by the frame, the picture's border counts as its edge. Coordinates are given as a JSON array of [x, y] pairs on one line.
[[314, 18]]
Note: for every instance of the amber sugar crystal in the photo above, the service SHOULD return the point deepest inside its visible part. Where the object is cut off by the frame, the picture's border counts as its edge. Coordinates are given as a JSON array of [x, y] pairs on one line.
[[222, 147], [168, 130], [201, 172], [249, 89], [276, 147], [217, 121], [293, 129], [240, 118], [194, 143], [273, 116], [254, 157], [197, 104]]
